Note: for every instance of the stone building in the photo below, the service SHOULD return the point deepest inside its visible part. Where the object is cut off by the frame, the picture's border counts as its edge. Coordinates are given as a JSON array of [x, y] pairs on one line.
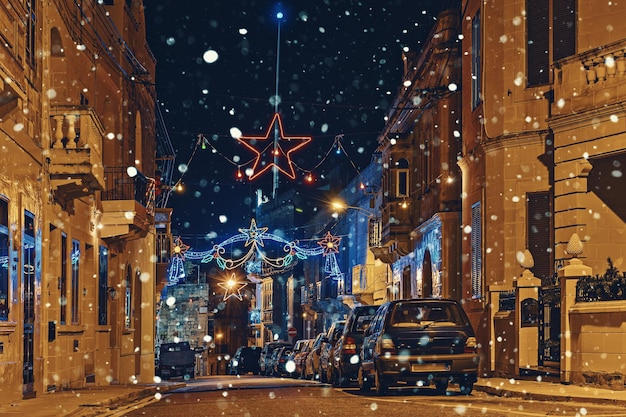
[[419, 200], [542, 158], [77, 196]]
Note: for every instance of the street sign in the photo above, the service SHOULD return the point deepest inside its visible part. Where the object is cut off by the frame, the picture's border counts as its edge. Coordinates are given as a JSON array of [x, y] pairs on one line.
[[292, 332]]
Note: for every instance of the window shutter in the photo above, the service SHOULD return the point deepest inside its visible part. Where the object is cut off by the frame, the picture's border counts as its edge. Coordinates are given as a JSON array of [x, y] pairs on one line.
[[539, 232], [537, 42], [564, 29], [476, 236]]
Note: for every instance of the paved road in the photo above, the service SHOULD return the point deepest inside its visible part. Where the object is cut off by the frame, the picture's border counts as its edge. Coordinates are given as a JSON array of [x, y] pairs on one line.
[[232, 396]]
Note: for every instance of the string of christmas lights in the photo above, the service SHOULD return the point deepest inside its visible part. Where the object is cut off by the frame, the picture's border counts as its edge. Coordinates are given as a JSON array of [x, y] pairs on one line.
[[255, 259]]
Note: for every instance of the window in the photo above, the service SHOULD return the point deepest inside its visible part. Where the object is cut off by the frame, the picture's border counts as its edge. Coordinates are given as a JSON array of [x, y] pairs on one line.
[[63, 281], [4, 260], [476, 236], [476, 69], [402, 178], [75, 287], [28, 269], [103, 284], [546, 45], [539, 232], [128, 298], [31, 30]]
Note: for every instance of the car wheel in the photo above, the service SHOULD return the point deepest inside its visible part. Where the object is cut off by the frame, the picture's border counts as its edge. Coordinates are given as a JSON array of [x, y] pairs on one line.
[[364, 382], [441, 386], [380, 383], [466, 387], [331, 375], [320, 375]]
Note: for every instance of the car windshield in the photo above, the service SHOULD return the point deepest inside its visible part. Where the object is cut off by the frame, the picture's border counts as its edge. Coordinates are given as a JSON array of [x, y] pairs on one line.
[[420, 314]]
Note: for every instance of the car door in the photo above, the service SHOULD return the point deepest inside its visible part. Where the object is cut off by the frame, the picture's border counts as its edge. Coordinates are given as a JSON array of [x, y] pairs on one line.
[[371, 336]]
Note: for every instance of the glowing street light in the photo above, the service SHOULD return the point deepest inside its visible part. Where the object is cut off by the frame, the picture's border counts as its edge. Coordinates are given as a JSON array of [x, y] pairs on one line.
[[340, 205]]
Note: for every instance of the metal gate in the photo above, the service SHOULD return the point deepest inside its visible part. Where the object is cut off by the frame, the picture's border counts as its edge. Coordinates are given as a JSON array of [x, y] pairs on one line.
[[549, 320]]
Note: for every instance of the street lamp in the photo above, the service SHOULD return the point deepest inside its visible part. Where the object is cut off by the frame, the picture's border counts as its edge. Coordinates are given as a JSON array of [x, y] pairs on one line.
[[339, 205]]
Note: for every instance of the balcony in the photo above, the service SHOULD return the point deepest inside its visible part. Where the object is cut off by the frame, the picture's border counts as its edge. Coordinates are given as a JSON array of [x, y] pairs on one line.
[[590, 80], [127, 204], [164, 245], [390, 236], [75, 154]]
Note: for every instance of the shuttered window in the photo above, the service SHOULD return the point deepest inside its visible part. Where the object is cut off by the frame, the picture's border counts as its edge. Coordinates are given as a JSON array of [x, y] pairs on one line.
[[539, 232], [477, 261], [537, 47], [564, 29], [540, 52], [476, 70]]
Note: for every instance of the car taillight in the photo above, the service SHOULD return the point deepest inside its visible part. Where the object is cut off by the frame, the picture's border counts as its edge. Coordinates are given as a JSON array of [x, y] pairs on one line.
[[470, 345], [387, 346], [349, 346]]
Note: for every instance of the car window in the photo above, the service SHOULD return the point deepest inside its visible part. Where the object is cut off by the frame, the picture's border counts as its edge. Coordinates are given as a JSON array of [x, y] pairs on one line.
[[361, 323], [418, 314]]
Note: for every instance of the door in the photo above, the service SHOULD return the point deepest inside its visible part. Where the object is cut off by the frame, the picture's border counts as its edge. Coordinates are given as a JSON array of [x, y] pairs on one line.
[[28, 298]]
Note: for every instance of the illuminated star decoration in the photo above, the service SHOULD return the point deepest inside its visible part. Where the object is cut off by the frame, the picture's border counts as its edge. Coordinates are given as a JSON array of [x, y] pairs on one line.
[[232, 288], [180, 249], [254, 235], [330, 244], [270, 152]]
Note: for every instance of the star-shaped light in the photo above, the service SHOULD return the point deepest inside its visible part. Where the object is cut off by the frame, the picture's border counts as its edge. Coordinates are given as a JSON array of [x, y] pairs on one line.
[[272, 152], [254, 234], [232, 288], [330, 244], [180, 248]]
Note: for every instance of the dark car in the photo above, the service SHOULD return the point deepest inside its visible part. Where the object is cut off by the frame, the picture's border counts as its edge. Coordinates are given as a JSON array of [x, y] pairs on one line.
[[176, 359], [333, 334], [245, 360], [299, 356], [428, 341], [265, 367], [280, 361], [345, 355], [312, 361]]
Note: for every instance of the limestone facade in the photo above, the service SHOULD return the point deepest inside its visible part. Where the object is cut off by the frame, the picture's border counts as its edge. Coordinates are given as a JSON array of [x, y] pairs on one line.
[[77, 127]]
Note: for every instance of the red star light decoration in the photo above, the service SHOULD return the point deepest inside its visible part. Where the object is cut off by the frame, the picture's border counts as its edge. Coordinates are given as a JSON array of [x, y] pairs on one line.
[[232, 288], [330, 244], [273, 153]]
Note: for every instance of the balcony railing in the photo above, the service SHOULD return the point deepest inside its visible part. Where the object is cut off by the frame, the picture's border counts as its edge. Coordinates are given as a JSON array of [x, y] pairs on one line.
[[75, 154], [121, 186]]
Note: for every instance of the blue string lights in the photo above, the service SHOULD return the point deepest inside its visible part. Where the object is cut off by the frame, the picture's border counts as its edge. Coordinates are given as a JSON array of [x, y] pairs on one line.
[[256, 259]]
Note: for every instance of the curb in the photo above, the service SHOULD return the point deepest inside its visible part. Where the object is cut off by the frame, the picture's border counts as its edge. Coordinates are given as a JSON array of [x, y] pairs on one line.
[[535, 396]]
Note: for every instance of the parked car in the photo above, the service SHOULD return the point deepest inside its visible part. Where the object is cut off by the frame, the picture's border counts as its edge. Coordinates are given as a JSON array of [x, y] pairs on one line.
[[345, 355], [176, 359], [299, 356], [265, 367], [280, 360], [245, 360], [312, 362], [419, 340], [333, 334]]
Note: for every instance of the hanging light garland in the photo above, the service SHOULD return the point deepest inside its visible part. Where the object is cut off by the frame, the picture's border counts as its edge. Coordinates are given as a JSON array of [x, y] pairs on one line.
[[256, 257]]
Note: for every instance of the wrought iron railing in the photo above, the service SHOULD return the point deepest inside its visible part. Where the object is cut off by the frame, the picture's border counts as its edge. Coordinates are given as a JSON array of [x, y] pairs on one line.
[[608, 287], [507, 301], [121, 186]]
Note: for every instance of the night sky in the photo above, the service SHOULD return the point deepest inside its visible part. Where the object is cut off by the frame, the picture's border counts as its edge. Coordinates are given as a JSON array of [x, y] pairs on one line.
[[340, 65]]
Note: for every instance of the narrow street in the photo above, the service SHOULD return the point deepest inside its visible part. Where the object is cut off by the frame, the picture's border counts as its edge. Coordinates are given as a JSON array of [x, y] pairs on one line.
[[261, 396]]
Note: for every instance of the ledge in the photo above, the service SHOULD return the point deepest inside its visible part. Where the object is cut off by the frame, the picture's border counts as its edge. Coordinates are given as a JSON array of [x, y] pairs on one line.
[[70, 329], [615, 306], [7, 327]]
